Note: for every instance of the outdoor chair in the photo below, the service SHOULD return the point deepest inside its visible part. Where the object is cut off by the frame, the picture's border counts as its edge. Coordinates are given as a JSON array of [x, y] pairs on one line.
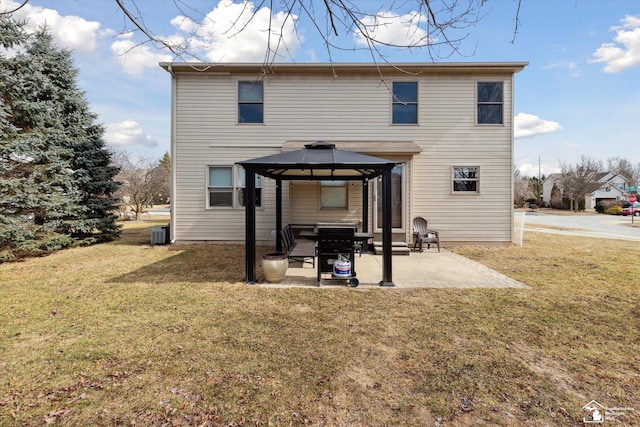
[[422, 235], [298, 251]]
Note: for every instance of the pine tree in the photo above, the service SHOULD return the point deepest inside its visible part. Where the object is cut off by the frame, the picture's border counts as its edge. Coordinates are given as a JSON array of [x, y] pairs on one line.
[[56, 182], [162, 176], [37, 187], [90, 160], [95, 175]]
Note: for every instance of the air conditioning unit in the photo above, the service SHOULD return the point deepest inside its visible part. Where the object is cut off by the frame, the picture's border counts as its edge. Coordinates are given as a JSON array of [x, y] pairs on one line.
[[158, 236]]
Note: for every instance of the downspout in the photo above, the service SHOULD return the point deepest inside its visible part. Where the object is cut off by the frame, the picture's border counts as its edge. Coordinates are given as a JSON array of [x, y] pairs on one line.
[[511, 148], [172, 202]]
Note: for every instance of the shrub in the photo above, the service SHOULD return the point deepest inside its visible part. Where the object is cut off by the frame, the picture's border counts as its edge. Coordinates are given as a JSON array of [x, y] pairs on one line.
[[600, 208], [613, 210]]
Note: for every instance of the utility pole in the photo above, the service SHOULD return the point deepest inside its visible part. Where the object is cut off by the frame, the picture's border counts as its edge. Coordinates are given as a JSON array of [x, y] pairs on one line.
[[539, 182]]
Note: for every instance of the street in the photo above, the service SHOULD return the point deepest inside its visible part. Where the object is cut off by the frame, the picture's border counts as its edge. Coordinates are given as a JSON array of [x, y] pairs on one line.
[[596, 225]]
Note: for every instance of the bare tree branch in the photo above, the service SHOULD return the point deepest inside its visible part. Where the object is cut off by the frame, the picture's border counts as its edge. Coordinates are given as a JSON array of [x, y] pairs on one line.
[[9, 12]]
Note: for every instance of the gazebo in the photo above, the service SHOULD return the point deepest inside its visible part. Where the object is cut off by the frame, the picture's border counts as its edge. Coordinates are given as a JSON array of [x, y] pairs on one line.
[[317, 161]]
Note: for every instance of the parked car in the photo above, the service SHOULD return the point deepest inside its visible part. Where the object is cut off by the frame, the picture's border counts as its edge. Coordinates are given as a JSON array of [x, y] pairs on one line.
[[631, 210]]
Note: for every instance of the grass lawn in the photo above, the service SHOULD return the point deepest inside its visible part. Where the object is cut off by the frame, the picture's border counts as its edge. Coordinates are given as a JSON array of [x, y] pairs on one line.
[[129, 334]]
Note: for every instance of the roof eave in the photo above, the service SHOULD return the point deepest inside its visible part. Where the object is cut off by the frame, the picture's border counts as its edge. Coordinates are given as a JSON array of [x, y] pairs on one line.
[[337, 68]]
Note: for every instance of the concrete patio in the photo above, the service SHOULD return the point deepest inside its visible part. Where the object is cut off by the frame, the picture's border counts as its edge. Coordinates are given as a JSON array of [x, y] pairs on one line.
[[428, 269]]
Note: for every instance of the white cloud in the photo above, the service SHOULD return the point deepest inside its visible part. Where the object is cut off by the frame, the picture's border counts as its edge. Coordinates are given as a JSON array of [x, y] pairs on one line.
[[128, 133], [531, 168], [625, 52], [135, 57], [70, 32], [564, 64], [393, 29], [529, 125], [237, 32]]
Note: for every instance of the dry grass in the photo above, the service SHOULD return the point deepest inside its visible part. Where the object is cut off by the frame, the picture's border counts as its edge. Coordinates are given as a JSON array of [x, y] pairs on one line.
[[553, 227], [125, 333]]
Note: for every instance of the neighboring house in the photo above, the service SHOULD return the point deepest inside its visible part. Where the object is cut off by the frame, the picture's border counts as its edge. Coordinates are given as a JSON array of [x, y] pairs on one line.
[[449, 126], [613, 188]]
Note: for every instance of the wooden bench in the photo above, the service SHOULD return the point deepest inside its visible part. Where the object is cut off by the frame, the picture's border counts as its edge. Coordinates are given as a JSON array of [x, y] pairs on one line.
[[298, 250]]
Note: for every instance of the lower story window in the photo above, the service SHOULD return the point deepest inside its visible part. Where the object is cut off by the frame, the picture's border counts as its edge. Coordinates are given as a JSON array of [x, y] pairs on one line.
[[223, 184], [466, 179], [333, 195]]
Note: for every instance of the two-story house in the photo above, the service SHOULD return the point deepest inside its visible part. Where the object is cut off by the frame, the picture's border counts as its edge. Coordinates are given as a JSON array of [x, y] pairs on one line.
[[449, 126], [612, 187]]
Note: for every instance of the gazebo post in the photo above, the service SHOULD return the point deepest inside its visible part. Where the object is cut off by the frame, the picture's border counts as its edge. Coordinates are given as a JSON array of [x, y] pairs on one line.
[[278, 214], [387, 276], [250, 227], [365, 206]]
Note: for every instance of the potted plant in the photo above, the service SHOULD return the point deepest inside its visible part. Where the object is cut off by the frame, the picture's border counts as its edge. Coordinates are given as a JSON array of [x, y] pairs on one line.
[[274, 266]]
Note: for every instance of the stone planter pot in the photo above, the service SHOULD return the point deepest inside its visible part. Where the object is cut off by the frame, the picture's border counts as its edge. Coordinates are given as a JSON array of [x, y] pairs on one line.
[[274, 266]]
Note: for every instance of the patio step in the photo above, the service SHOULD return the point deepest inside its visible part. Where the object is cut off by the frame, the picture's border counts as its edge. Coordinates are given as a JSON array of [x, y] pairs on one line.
[[397, 248]]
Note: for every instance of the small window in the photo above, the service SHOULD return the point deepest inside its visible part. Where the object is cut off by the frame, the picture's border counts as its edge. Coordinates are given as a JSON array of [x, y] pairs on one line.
[[222, 187], [333, 195], [250, 102], [466, 179], [404, 103], [490, 103]]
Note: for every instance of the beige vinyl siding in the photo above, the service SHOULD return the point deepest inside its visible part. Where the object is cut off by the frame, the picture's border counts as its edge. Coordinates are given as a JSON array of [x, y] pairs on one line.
[[308, 108], [195, 221], [455, 140], [305, 206]]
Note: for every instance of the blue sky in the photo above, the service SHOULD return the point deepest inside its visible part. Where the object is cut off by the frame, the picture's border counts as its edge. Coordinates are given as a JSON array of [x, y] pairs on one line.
[[580, 95]]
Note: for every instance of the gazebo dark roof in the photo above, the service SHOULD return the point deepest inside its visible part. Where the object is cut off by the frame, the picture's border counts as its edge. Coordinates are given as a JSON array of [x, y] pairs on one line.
[[319, 160]]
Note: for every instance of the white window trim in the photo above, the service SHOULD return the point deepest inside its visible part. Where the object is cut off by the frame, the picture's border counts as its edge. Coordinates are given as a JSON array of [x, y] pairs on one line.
[[475, 118], [234, 188], [264, 104], [392, 98], [453, 168], [320, 208]]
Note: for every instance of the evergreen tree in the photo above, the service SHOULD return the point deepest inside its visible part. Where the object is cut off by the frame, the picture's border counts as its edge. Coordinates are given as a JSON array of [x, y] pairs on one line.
[[56, 183], [95, 174], [36, 184], [90, 160], [162, 176]]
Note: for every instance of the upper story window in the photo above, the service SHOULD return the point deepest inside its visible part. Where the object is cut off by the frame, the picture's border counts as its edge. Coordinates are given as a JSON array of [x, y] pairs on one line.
[[250, 102], [404, 103], [466, 179], [222, 187], [333, 195], [490, 103]]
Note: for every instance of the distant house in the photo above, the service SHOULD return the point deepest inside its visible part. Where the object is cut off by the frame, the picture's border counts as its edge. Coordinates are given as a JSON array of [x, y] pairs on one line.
[[449, 126], [613, 188]]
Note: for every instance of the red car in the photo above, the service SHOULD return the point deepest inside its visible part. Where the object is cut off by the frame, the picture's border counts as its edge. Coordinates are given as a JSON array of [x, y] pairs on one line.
[[633, 209]]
